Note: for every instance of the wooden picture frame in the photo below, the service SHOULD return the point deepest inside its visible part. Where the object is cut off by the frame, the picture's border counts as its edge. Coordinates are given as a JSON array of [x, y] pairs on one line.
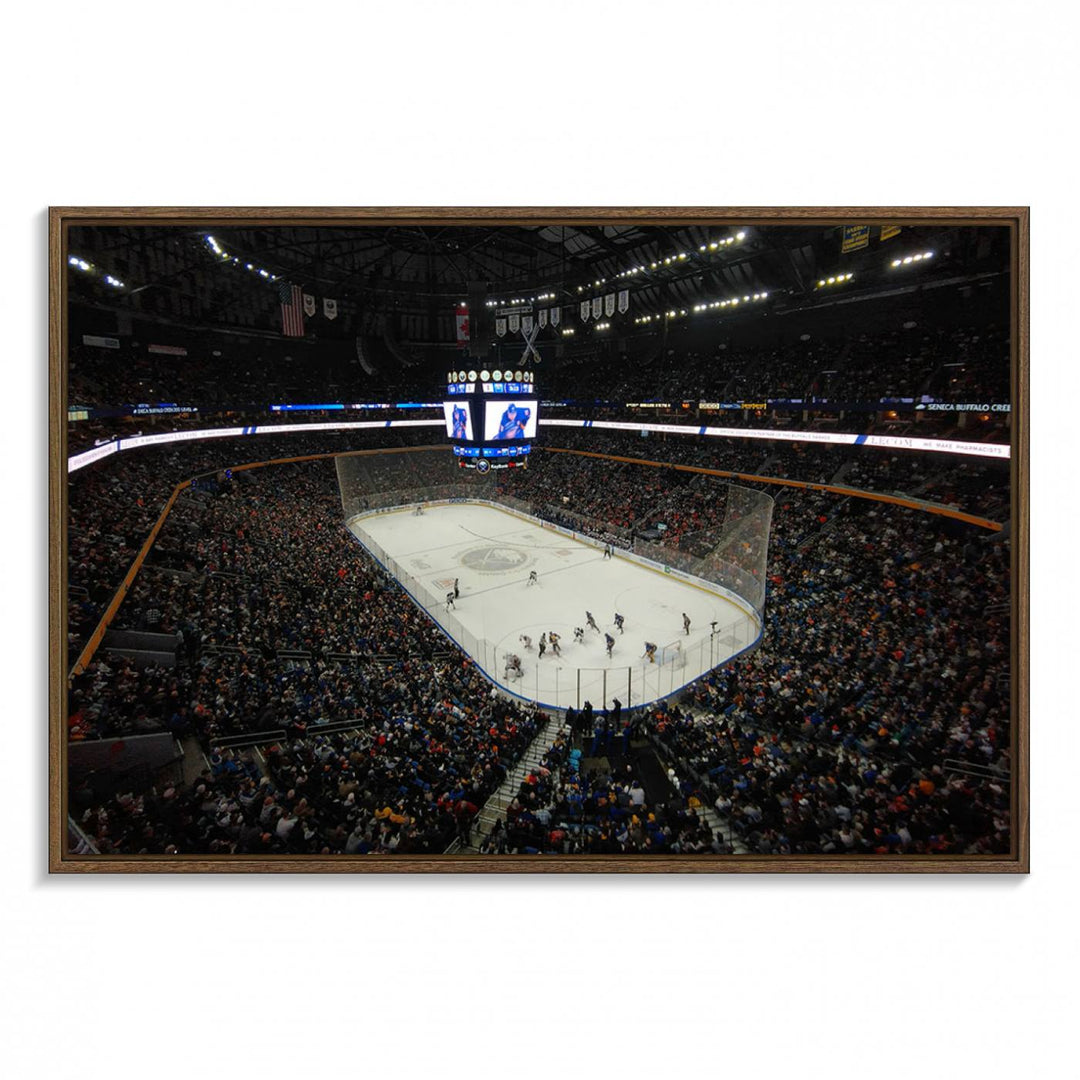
[[1016, 219]]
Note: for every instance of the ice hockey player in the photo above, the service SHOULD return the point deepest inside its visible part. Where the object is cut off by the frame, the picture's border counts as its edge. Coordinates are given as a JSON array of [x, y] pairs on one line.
[[591, 621], [609, 641], [579, 635], [513, 667], [607, 551], [449, 600], [554, 639], [525, 640], [541, 649], [419, 510], [686, 622], [619, 620], [533, 579], [650, 652]]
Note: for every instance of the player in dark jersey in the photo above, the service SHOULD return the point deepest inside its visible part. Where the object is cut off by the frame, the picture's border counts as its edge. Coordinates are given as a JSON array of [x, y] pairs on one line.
[[591, 621], [686, 622], [619, 620], [650, 652], [609, 641]]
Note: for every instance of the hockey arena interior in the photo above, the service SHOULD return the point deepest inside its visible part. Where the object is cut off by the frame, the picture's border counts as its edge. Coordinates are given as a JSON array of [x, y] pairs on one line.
[[546, 540]]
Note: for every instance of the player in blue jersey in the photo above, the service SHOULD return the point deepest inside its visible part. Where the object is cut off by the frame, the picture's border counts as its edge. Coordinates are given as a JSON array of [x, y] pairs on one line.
[[513, 422]]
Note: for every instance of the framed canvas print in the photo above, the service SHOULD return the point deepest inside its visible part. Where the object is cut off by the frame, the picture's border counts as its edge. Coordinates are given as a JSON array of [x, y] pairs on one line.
[[538, 539]]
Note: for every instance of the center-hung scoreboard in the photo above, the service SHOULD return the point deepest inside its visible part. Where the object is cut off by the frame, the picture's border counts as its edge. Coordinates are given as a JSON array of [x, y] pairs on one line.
[[491, 417]]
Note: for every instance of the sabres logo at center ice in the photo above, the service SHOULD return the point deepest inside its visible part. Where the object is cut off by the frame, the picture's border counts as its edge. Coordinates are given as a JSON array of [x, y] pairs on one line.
[[494, 560]]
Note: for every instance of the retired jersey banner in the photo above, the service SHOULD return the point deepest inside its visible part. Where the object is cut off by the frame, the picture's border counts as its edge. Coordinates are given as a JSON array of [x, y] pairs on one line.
[[527, 323], [585, 305], [624, 301], [597, 306], [609, 305], [462, 319], [556, 315], [514, 323], [541, 317], [888, 231], [329, 308], [855, 237], [309, 305], [500, 327]]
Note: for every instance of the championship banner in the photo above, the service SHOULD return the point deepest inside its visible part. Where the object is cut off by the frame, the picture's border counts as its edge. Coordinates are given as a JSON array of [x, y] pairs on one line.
[[101, 342], [541, 317], [555, 316], [888, 231], [462, 320], [309, 305], [854, 238], [514, 322], [500, 327], [597, 306], [329, 308], [585, 310], [527, 323], [624, 301], [609, 305]]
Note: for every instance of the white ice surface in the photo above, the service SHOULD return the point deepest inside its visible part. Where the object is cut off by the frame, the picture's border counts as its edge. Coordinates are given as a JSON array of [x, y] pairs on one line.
[[491, 552]]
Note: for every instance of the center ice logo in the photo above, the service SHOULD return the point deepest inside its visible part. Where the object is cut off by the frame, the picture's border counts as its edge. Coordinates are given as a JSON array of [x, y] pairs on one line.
[[494, 560]]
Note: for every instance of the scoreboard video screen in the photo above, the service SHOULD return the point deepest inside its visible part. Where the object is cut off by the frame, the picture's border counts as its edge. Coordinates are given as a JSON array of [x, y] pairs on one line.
[[458, 420], [491, 417], [508, 420]]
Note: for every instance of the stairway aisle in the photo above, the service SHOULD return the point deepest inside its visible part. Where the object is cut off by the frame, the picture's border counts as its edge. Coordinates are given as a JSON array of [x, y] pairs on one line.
[[722, 828], [495, 808]]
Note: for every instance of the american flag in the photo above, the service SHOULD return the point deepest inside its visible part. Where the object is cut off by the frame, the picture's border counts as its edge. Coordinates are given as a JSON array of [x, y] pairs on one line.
[[292, 310]]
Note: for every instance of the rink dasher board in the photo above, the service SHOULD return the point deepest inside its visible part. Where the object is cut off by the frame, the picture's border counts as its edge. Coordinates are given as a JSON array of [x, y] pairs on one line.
[[644, 563]]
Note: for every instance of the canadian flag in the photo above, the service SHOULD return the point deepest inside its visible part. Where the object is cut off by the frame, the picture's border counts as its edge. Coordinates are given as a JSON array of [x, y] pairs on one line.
[[462, 319]]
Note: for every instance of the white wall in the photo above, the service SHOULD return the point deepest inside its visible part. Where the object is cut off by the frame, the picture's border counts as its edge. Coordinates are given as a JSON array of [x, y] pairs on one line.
[[610, 103]]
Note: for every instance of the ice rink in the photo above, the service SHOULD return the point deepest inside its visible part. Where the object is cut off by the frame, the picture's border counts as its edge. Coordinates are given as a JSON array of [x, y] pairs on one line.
[[491, 552]]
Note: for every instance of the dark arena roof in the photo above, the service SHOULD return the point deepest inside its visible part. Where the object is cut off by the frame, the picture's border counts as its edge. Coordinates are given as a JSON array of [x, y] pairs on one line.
[[813, 421], [408, 280]]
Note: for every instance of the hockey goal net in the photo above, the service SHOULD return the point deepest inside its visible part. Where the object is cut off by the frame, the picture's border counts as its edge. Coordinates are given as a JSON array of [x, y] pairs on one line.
[[672, 654]]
